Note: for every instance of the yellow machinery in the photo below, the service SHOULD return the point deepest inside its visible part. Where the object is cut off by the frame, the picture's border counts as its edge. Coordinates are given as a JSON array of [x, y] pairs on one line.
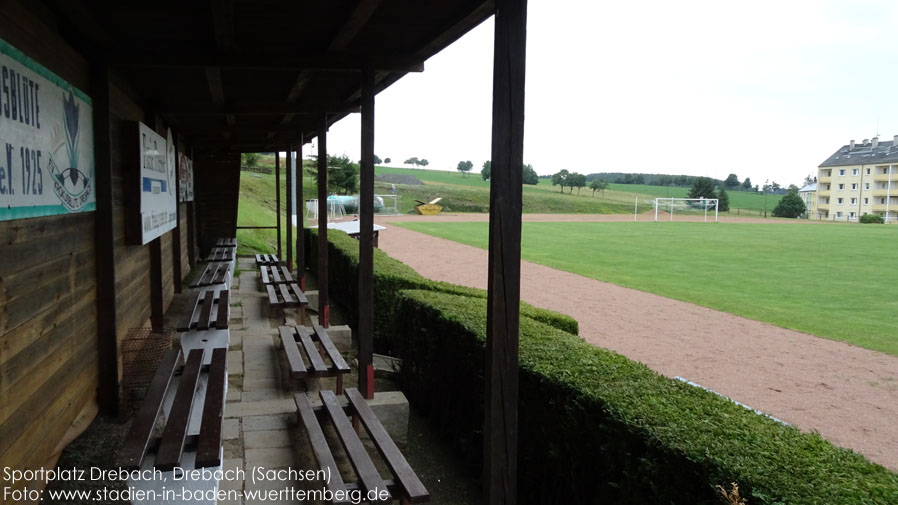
[[429, 209]]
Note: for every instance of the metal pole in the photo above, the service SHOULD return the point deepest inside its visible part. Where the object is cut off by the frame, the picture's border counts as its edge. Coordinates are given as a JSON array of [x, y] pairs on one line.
[[716, 207], [289, 212], [656, 210], [300, 219]]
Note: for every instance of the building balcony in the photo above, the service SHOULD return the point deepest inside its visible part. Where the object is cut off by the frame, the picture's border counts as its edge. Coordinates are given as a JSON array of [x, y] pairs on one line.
[[822, 206], [886, 177], [824, 180], [824, 193], [886, 192], [881, 207]]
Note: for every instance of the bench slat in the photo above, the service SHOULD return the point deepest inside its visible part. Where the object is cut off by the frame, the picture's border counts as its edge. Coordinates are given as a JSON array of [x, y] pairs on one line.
[[272, 295], [300, 296], [135, 446], [331, 350], [322, 452], [264, 271], [358, 457], [221, 320], [317, 363], [187, 320], [172, 445], [206, 311], [208, 448], [221, 273], [285, 294], [409, 481], [285, 273], [275, 274], [297, 365]]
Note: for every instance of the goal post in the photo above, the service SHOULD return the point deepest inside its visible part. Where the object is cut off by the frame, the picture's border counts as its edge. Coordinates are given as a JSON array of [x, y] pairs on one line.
[[686, 207]]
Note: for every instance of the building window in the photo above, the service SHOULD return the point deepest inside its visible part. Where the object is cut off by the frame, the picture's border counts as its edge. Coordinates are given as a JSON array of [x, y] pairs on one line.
[[839, 200], [841, 186], [868, 171], [853, 201], [841, 171], [853, 186], [839, 215], [866, 185], [866, 201], [854, 172], [852, 215], [882, 201]]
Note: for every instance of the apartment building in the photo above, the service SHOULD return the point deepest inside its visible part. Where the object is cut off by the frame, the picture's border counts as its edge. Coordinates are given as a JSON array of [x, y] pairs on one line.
[[860, 178]]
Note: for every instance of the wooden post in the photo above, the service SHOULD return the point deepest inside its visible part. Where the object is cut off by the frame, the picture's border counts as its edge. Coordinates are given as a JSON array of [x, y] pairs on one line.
[[191, 224], [108, 390], [323, 309], [176, 233], [366, 246], [156, 297], [289, 166], [300, 218], [504, 282], [277, 197]]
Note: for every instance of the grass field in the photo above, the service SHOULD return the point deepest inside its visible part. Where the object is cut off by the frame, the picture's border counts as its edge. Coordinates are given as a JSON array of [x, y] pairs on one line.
[[831, 280]]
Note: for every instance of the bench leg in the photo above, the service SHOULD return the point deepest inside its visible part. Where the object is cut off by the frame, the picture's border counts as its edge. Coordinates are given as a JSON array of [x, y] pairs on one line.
[[404, 500], [302, 316], [355, 423], [340, 384]]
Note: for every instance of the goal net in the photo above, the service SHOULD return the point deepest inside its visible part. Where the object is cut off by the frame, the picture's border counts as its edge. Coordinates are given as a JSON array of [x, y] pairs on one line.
[[686, 209]]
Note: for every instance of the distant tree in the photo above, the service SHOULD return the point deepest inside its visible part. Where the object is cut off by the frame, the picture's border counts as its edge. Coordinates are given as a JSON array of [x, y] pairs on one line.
[[792, 186], [387, 160], [464, 167], [790, 206], [342, 174], [560, 178], [746, 183], [576, 180], [529, 176], [702, 187], [682, 180], [423, 162], [377, 160], [774, 186], [731, 181], [638, 179], [723, 199], [486, 171], [809, 180], [598, 185], [412, 161], [251, 160]]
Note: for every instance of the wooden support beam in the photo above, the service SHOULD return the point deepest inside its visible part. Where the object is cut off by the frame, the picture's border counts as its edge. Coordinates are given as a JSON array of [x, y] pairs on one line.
[[156, 297], [289, 166], [277, 196], [274, 59], [108, 390], [300, 217], [253, 109], [323, 308], [504, 281], [357, 20], [366, 240], [176, 233], [216, 90]]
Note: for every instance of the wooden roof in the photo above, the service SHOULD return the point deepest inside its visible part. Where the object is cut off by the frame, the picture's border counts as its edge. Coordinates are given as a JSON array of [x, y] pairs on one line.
[[255, 75]]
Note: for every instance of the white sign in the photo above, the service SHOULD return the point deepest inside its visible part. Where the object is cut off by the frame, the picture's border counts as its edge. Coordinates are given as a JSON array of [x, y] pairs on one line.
[[158, 213], [46, 141], [185, 172]]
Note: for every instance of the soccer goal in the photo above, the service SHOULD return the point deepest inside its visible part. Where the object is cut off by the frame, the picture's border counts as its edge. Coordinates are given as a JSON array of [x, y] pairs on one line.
[[682, 207]]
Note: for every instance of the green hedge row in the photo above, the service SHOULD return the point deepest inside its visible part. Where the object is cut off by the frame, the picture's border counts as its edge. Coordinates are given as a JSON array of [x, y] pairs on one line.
[[596, 427], [390, 277]]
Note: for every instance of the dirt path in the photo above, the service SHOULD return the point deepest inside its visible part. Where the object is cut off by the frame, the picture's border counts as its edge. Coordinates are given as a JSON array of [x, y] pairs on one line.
[[848, 394]]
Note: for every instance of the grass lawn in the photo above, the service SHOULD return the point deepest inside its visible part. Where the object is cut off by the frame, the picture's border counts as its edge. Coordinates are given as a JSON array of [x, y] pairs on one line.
[[832, 280]]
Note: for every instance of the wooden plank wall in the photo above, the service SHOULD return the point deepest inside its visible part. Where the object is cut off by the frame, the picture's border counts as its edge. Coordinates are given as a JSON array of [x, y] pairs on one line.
[[48, 321], [185, 250], [216, 193]]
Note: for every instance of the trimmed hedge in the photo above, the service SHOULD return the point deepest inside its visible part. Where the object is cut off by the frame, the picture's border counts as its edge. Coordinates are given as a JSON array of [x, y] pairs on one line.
[[390, 277], [596, 427]]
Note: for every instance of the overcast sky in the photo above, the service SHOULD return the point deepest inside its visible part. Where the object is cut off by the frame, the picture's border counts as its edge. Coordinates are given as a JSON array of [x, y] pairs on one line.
[[765, 89]]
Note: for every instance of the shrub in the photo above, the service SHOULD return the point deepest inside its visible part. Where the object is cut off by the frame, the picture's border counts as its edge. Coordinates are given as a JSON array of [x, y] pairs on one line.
[[872, 218], [390, 277], [596, 427]]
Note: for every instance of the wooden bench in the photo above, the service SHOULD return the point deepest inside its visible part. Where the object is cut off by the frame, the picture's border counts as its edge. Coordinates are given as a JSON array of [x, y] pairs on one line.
[[318, 349], [216, 272], [221, 254], [226, 242], [267, 259], [275, 274], [207, 311], [287, 295], [177, 446], [404, 484]]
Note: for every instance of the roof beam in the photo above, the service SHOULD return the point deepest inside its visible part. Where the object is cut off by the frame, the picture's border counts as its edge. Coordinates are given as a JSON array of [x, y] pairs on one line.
[[216, 89], [262, 59], [223, 22], [253, 109]]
